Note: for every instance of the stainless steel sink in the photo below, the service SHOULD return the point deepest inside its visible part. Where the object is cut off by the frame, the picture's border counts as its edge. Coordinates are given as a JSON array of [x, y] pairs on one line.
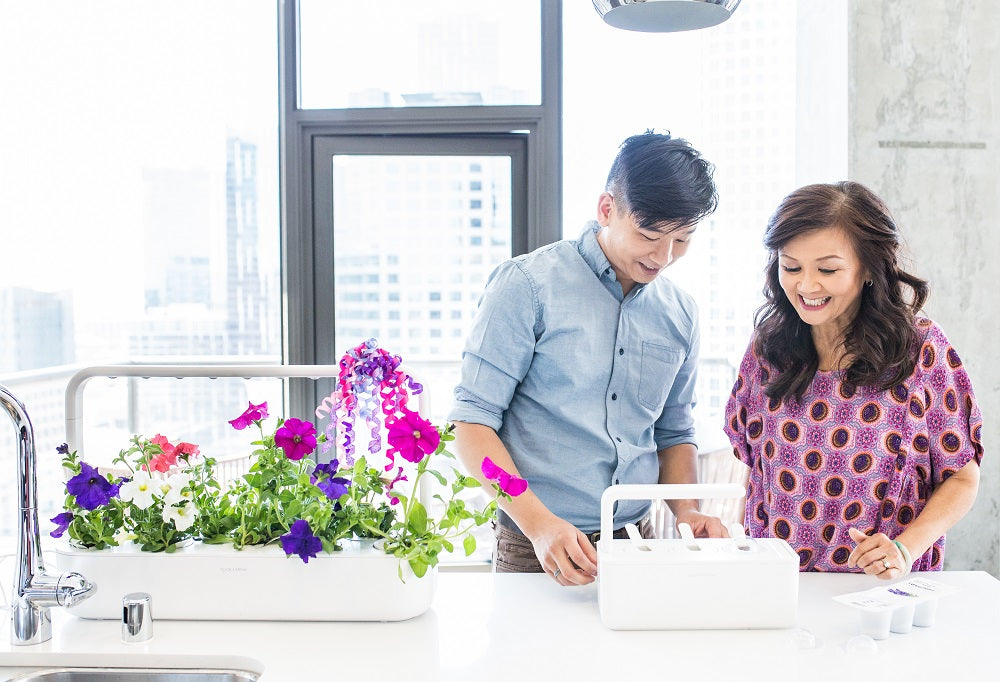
[[137, 675]]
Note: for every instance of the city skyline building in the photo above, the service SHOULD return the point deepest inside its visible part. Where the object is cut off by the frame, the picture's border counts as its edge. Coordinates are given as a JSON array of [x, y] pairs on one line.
[[36, 329]]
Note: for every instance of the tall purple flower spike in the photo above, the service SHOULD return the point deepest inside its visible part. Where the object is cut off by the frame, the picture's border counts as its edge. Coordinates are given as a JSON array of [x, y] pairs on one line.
[[371, 388]]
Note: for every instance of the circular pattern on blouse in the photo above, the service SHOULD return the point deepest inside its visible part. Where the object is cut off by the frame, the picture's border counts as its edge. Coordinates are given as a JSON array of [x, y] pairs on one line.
[[953, 360], [892, 442], [951, 442], [951, 401], [862, 462], [814, 460], [905, 515], [871, 413], [819, 411], [782, 529], [790, 431]]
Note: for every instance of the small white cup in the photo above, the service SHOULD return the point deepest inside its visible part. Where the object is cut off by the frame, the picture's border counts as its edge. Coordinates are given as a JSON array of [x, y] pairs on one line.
[[923, 614], [875, 624], [902, 619]]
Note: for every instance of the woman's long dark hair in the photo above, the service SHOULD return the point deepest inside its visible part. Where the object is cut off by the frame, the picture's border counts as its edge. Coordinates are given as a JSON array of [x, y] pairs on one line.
[[882, 339]]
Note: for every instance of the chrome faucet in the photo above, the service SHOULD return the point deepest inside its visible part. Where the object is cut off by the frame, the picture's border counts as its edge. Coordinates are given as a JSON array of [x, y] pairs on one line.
[[35, 591]]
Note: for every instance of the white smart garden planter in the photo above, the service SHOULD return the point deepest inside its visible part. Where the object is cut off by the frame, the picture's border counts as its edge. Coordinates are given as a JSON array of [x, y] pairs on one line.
[[217, 582]]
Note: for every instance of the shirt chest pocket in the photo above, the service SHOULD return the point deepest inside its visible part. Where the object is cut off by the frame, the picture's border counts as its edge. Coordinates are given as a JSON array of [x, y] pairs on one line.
[[658, 369]]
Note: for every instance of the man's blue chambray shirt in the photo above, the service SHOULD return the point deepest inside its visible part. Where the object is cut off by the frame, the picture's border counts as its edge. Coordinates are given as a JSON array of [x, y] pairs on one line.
[[582, 385]]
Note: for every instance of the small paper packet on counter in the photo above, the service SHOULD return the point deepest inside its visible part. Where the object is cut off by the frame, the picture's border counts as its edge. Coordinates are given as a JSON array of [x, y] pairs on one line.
[[898, 606]]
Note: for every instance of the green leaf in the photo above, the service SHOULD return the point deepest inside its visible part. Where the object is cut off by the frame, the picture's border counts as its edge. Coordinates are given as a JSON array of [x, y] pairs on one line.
[[469, 544], [417, 521], [419, 567], [439, 476]]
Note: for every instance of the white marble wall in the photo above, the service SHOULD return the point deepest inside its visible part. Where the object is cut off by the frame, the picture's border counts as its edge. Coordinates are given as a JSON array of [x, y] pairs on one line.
[[924, 132]]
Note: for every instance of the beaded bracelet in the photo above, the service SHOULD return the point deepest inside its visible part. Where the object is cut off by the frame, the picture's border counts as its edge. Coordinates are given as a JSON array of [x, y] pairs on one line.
[[906, 555]]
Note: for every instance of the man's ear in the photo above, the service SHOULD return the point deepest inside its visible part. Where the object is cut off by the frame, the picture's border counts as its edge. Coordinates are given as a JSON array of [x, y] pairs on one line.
[[605, 205]]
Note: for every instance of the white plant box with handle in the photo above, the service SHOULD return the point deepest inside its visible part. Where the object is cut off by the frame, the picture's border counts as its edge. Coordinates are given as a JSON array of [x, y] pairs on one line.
[[688, 583]]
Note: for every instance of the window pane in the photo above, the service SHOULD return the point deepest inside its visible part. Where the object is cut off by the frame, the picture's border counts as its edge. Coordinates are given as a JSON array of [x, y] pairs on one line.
[[138, 161], [414, 240], [400, 53]]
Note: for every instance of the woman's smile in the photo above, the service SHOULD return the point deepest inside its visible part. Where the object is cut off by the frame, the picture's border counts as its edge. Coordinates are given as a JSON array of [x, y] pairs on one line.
[[814, 303]]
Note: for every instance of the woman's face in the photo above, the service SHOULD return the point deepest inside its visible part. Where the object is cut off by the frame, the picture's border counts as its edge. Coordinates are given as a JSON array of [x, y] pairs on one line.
[[822, 277]]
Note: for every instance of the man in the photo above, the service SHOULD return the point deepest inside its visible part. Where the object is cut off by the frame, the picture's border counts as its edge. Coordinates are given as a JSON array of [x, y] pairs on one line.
[[580, 368]]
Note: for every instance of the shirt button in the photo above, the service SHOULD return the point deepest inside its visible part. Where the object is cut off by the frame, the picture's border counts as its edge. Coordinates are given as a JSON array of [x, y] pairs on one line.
[[621, 351], [618, 438], [614, 396]]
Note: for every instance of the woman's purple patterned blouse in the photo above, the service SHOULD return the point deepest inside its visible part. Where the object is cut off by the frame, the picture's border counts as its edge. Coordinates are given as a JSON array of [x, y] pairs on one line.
[[853, 457]]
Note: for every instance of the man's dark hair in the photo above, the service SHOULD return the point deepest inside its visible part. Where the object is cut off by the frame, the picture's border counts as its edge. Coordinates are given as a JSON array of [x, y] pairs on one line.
[[660, 179]]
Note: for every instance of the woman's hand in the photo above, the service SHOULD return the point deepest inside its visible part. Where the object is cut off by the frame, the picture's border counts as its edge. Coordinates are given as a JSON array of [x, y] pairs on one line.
[[877, 555]]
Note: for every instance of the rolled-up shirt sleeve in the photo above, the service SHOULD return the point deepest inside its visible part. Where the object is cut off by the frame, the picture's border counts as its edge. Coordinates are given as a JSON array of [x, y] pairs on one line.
[[499, 348]]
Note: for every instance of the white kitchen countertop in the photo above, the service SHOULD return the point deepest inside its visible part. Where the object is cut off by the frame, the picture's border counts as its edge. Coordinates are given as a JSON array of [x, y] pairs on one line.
[[513, 627]]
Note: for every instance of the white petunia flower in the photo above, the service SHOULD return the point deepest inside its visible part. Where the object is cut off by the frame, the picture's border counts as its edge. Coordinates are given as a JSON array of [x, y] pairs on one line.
[[173, 489], [182, 516], [139, 491]]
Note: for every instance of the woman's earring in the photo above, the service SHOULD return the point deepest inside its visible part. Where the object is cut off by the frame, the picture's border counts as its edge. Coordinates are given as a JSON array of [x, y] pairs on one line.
[[869, 282]]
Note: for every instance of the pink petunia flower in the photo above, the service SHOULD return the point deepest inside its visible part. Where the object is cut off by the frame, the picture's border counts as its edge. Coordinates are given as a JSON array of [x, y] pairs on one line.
[[413, 437], [296, 437], [187, 449], [167, 457], [254, 413], [512, 485]]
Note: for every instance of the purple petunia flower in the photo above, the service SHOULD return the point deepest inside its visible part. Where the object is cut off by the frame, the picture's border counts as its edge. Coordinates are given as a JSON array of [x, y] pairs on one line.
[[63, 449], [254, 413], [332, 486], [413, 437], [91, 489], [300, 540], [62, 522], [296, 437]]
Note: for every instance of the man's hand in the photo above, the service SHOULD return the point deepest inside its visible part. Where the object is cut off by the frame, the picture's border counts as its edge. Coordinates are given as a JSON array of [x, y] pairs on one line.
[[564, 552], [703, 525]]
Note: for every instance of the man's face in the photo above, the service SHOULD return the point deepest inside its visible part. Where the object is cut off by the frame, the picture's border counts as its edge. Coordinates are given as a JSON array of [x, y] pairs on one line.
[[637, 254]]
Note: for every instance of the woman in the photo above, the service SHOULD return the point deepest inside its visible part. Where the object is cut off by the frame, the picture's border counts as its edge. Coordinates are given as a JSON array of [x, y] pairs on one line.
[[855, 415]]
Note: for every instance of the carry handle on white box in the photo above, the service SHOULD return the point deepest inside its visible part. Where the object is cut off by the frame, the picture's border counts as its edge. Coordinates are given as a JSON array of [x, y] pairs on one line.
[[692, 583]]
